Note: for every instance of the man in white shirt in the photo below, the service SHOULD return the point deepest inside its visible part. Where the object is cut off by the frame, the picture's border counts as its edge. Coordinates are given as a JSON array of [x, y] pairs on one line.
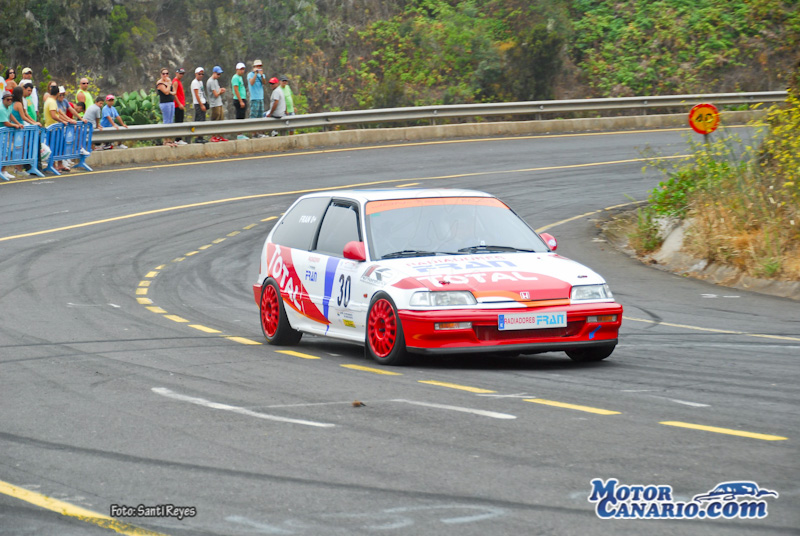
[[199, 98], [27, 74], [277, 102]]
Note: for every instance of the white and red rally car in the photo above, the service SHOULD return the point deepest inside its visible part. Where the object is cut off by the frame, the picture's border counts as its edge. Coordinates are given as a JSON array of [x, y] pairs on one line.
[[427, 272]]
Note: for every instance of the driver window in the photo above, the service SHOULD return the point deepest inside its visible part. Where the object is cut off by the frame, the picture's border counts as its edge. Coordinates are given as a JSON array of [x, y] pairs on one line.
[[339, 226]]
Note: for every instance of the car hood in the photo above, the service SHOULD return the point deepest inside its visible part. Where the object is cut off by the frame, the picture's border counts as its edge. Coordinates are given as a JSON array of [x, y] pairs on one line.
[[492, 278]]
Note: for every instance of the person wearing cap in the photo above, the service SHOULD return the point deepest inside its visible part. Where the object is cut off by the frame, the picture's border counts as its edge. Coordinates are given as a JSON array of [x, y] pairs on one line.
[[27, 74], [111, 117], [277, 102], [7, 119], [256, 80], [215, 95], [199, 98], [180, 100], [239, 90]]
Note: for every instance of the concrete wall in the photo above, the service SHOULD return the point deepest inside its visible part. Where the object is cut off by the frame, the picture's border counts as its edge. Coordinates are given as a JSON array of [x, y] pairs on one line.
[[146, 155]]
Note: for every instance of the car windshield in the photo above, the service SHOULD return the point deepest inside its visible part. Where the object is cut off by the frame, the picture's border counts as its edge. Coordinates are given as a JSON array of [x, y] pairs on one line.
[[446, 226]]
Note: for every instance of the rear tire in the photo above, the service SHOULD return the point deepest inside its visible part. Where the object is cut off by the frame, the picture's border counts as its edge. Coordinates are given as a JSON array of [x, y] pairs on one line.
[[385, 341], [586, 355], [274, 324]]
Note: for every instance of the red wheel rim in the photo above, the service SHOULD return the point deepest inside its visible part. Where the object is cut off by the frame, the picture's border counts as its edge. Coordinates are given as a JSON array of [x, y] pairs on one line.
[[382, 328], [270, 310]]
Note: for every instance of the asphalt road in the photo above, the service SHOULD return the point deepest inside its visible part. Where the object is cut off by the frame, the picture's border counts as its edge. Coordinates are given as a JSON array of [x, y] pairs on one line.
[[132, 370]]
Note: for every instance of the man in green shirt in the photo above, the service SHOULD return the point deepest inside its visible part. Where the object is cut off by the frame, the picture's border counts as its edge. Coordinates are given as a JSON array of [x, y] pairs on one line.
[[239, 90], [287, 94], [82, 95]]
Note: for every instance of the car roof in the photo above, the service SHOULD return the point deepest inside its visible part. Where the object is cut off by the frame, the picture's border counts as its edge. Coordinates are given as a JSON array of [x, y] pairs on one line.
[[382, 194]]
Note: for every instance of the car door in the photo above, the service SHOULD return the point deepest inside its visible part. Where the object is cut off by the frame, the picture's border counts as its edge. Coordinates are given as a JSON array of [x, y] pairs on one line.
[[334, 276]]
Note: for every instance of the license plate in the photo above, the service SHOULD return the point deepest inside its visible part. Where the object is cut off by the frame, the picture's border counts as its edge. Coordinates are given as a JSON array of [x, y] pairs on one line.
[[532, 321]]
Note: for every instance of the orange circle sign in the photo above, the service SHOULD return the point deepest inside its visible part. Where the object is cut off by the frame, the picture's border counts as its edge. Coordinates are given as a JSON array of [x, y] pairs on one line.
[[704, 118]]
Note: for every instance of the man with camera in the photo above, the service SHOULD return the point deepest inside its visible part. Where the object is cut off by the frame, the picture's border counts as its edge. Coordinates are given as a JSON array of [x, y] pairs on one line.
[[257, 81]]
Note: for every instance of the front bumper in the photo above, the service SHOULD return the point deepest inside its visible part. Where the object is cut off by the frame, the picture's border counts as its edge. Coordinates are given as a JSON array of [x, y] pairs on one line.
[[484, 335]]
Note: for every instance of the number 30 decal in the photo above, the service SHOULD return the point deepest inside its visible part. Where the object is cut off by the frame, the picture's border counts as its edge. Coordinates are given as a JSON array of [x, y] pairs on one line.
[[344, 291]]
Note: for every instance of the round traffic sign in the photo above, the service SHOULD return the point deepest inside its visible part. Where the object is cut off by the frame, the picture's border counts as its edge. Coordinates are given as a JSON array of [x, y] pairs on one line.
[[704, 118]]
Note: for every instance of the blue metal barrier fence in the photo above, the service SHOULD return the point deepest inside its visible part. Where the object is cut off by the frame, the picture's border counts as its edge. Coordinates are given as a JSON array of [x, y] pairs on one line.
[[20, 146], [68, 142]]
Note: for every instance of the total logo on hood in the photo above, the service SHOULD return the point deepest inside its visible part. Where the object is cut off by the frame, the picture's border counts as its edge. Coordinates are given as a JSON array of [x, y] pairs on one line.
[[492, 278]]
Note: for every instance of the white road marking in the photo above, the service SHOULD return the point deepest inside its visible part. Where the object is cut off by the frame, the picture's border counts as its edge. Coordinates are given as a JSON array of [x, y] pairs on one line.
[[684, 402], [481, 412], [518, 395], [235, 409]]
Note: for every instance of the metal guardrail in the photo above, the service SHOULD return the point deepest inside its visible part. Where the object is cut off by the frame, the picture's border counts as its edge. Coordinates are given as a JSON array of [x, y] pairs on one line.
[[385, 115]]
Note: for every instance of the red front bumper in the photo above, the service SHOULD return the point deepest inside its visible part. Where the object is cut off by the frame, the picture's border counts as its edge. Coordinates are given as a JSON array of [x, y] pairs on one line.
[[422, 337]]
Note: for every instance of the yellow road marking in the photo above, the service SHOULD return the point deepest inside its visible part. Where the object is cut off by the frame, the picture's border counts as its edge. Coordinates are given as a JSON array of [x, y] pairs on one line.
[[156, 309], [587, 409], [176, 318], [373, 370], [247, 228], [270, 218], [204, 328], [712, 330], [407, 185], [234, 233], [456, 386], [203, 248], [144, 301], [191, 253], [297, 354], [242, 340], [218, 240], [179, 259], [728, 431], [151, 274], [141, 291], [71, 510], [144, 283]]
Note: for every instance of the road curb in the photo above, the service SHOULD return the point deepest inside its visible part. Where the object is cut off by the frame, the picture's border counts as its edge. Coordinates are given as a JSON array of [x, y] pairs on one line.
[[146, 155], [616, 226]]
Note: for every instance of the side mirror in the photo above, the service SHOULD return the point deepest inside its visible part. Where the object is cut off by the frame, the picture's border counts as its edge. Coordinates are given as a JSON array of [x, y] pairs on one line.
[[355, 251], [550, 240]]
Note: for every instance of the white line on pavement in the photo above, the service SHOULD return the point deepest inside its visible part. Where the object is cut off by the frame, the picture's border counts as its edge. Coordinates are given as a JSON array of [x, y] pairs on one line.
[[481, 412], [235, 409]]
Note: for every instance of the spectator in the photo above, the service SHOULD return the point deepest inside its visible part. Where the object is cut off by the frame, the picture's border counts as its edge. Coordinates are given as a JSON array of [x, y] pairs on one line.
[[239, 90], [180, 100], [11, 79], [256, 80], [27, 74], [20, 109], [2, 82], [27, 86], [81, 108], [215, 94], [47, 96], [83, 95], [52, 116], [166, 98], [199, 99], [111, 118], [7, 120], [277, 102], [289, 96], [93, 115]]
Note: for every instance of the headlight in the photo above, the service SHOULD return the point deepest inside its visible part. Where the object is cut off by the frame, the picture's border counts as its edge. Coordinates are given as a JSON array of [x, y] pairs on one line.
[[591, 292], [441, 299]]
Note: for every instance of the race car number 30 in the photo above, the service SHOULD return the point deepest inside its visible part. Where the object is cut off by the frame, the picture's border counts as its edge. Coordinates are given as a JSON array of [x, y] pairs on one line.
[[532, 321]]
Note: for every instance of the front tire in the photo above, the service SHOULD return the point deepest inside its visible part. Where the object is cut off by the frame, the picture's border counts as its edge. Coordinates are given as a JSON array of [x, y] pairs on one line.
[[385, 341], [274, 323], [587, 355]]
